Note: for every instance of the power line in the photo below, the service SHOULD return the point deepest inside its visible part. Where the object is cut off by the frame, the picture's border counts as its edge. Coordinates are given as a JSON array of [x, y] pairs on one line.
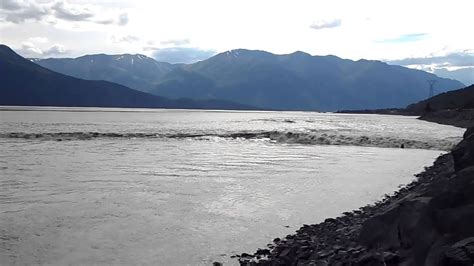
[[431, 91]]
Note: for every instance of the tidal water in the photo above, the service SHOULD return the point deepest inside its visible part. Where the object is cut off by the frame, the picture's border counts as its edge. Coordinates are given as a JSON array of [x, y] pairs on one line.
[[88, 186]]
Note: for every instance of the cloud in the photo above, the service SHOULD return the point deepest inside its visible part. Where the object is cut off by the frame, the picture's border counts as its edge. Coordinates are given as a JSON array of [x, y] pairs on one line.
[[127, 38], [71, 13], [55, 49], [413, 37], [105, 21], [454, 59], [38, 39], [456, 65], [29, 49], [326, 24], [123, 19], [10, 5], [19, 11], [180, 54], [176, 42]]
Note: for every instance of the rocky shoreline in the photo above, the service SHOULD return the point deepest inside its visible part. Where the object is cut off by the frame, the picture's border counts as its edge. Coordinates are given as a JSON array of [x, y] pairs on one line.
[[457, 117], [428, 222]]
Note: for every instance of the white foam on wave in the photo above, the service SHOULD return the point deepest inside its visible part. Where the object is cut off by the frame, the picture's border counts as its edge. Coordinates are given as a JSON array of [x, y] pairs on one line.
[[282, 137], [324, 138]]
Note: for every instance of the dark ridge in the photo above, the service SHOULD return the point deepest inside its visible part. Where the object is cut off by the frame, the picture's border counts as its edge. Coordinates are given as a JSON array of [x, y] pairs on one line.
[[452, 108], [457, 99]]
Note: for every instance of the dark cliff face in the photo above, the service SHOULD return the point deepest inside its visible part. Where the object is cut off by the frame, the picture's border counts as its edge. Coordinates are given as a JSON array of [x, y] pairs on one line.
[[464, 152], [457, 99]]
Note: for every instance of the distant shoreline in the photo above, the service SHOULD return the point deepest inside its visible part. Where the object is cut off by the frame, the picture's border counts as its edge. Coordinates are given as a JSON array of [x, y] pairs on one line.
[[386, 111], [118, 109], [463, 118], [154, 109]]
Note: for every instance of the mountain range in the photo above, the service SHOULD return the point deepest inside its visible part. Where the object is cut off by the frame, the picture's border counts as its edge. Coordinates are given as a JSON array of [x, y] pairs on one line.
[[296, 81], [135, 71], [23, 82]]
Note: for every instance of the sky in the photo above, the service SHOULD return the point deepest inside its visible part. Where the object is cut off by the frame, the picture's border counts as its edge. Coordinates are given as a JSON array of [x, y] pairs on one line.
[[429, 35]]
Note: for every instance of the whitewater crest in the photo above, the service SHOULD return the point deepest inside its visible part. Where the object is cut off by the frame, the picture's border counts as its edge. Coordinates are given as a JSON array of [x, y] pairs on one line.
[[284, 137]]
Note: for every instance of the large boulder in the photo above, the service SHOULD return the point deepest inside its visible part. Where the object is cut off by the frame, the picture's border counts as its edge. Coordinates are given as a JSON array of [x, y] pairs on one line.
[[460, 254], [463, 153], [406, 225], [424, 224]]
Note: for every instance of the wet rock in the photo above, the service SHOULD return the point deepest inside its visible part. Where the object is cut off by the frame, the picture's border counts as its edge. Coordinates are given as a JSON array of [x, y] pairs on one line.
[[468, 133], [246, 255], [398, 226], [304, 255], [288, 253], [371, 259], [467, 245], [390, 257], [262, 252], [461, 253], [326, 253], [321, 263], [330, 220], [456, 257], [463, 153]]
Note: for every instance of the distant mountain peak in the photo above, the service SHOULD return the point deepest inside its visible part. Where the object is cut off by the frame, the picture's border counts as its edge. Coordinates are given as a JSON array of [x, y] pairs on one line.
[[232, 53], [300, 53], [3, 47], [235, 53], [7, 51], [242, 52], [371, 61], [136, 71], [131, 56]]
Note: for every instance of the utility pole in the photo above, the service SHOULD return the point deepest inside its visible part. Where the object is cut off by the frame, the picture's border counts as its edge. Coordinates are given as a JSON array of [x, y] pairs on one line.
[[432, 83]]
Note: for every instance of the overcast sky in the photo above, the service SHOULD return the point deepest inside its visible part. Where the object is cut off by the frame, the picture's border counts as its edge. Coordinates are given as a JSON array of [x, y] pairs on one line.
[[191, 30]]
